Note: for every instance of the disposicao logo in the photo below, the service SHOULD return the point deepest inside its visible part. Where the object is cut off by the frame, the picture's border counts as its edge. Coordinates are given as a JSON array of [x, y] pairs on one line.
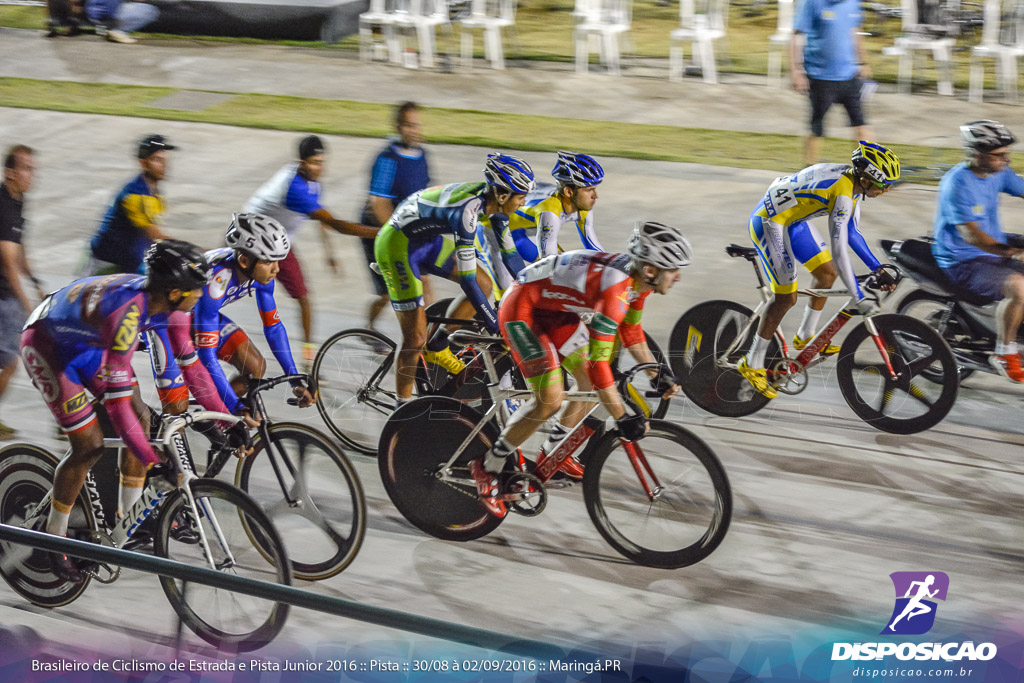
[[916, 592], [914, 614]]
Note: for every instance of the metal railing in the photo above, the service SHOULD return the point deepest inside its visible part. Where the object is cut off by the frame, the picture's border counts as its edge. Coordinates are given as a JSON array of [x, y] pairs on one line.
[[290, 595]]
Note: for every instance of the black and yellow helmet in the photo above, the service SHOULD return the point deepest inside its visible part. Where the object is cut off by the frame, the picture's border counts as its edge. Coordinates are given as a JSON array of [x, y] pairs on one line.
[[878, 163]]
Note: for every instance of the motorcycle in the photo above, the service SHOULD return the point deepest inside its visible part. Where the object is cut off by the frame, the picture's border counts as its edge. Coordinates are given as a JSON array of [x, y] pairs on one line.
[[966, 321]]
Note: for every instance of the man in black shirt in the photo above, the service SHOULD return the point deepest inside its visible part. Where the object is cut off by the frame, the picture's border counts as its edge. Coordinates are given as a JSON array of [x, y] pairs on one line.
[[15, 305]]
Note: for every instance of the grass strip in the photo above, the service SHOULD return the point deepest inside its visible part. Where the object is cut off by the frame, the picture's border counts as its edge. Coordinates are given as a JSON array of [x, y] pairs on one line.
[[451, 126]]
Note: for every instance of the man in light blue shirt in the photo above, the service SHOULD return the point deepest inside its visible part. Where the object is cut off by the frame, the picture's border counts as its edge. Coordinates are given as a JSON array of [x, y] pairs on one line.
[[829, 65], [969, 243]]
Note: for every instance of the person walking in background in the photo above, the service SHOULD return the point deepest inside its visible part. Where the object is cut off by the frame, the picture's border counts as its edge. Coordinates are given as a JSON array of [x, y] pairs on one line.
[[132, 221], [399, 170], [19, 168], [292, 196], [120, 17], [828, 61]]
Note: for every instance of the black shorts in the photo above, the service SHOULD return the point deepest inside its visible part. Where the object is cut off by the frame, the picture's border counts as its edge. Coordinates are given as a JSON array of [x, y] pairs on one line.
[[985, 275], [826, 93], [378, 282]]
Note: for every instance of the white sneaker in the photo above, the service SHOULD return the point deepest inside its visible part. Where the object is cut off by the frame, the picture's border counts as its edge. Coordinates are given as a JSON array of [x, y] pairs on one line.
[[118, 36]]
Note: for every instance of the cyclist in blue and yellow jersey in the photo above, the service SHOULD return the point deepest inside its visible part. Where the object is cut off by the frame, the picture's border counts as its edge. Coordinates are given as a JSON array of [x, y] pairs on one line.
[[433, 231], [536, 227], [783, 236]]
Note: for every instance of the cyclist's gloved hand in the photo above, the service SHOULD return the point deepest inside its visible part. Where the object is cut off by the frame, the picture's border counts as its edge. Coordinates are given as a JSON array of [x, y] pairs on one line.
[[239, 438], [665, 381], [300, 389], [867, 306], [632, 427], [884, 280]]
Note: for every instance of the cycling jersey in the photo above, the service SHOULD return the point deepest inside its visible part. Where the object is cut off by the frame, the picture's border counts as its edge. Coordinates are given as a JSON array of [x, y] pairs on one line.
[[498, 254], [552, 297], [287, 197], [216, 335], [83, 337], [122, 239], [433, 230], [781, 234], [542, 217]]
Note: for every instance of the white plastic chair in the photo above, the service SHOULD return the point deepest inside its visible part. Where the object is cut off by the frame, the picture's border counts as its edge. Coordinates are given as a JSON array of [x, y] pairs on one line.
[[490, 17], [917, 36], [424, 16], [608, 20], [378, 16], [701, 26], [1006, 50], [779, 42]]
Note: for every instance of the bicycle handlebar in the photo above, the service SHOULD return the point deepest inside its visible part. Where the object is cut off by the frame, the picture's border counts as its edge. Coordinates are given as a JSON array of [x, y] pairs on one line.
[[627, 377]]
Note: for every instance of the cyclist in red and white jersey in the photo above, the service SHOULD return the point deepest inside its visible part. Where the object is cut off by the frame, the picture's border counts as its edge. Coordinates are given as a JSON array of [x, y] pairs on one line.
[[565, 311]]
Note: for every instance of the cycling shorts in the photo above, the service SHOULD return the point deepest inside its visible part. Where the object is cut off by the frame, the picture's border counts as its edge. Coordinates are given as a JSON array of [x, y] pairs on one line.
[[541, 340], [403, 262], [779, 247], [63, 385]]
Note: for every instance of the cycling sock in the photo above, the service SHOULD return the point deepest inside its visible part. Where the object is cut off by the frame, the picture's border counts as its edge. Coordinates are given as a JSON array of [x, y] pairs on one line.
[[496, 458], [1006, 349], [57, 521], [758, 348], [809, 325], [128, 493], [439, 341], [558, 432]]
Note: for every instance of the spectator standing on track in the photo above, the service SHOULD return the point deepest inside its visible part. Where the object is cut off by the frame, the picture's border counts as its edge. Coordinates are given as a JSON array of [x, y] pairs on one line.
[[292, 196], [132, 221], [15, 305], [398, 171], [829, 63], [120, 17]]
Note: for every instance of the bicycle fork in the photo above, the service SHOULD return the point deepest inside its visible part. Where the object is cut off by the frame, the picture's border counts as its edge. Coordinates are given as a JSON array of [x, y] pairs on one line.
[[640, 465]]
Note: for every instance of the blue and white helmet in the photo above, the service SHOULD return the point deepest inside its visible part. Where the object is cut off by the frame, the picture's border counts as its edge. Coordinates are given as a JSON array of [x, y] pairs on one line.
[[509, 173], [579, 170]]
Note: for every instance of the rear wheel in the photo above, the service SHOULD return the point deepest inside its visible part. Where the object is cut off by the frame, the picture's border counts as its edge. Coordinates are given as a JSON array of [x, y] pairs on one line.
[[26, 476], [417, 441], [354, 372], [930, 309], [324, 525], [699, 347], [904, 405], [683, 512], [229, 519]]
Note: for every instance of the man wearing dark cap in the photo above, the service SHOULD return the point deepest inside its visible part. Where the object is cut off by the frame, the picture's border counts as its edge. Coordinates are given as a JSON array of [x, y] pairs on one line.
[[132, 221], [292, 196]]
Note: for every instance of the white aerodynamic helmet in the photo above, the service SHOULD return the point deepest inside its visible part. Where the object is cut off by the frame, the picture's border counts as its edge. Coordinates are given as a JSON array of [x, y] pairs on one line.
[[258, 235], [659, 245], [985, 136]]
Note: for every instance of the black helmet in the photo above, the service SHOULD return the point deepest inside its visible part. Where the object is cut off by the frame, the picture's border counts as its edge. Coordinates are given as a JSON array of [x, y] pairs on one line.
[[173, 264]]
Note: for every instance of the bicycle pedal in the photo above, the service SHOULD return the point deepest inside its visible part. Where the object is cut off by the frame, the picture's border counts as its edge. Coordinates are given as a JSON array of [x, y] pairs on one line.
[[101, 572]]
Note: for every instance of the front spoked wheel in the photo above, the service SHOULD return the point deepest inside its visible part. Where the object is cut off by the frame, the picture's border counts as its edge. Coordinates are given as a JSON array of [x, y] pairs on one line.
[[417, 441], [354, 372], [227, 517], [663, 501], [311, 493], [905, 404], [705, 347]]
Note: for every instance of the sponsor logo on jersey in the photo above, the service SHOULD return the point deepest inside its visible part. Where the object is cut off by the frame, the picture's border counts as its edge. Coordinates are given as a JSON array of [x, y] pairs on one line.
[[207, 340], [218, 286], [42, 376], [75, 403], [602, 324], [126, 335], [560, 296], [74, 292]]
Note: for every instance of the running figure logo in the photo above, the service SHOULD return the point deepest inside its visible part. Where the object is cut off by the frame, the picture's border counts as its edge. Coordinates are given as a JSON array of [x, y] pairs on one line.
[[914, 612]]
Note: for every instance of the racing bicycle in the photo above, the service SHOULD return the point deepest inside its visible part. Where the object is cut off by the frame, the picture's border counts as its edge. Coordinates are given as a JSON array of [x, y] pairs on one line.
[[663, 501], [202, 522], [878, 365]]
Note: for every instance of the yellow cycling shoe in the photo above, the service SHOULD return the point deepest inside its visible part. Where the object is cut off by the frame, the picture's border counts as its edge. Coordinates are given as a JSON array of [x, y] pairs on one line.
[[829, 350], [445, 359], [758, 378]]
